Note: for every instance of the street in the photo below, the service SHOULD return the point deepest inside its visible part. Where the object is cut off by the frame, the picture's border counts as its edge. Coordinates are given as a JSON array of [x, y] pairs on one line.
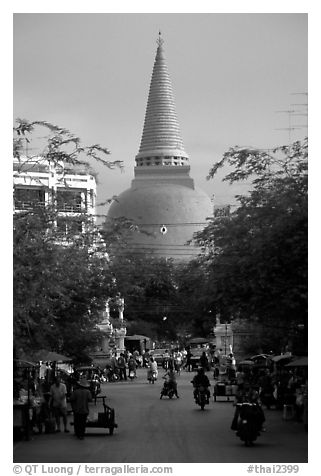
[[151, 430]]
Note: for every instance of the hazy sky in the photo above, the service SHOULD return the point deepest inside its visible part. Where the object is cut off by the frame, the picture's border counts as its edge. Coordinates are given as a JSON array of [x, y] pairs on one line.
[[230, 74]]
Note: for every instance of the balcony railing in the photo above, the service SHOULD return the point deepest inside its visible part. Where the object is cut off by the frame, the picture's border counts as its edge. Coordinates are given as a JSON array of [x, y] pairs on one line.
[[67, 207], [28, 205]]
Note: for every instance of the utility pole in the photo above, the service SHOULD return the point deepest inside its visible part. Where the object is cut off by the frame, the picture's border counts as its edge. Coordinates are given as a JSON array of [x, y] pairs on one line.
[[294, 112]]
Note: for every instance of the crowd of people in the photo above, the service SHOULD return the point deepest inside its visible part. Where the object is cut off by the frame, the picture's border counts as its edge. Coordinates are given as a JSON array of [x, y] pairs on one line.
[[269, 386]]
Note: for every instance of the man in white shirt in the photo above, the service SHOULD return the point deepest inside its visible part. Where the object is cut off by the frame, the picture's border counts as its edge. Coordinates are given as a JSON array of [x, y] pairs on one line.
[[58, 402]]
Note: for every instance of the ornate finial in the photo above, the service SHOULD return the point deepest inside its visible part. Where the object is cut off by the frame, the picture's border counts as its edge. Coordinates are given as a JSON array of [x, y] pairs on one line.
[[160, 40]]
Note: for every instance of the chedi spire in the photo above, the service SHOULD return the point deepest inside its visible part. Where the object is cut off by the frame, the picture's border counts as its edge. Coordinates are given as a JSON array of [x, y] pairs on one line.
[[161, 142]]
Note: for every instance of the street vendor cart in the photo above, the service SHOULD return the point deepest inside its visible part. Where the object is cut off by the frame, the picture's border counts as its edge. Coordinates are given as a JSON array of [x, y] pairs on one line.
[[225, 390], [104, 419]]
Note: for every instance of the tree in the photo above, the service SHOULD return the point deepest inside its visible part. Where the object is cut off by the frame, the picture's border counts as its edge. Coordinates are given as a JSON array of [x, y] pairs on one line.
[[61, 280], [258, 256]]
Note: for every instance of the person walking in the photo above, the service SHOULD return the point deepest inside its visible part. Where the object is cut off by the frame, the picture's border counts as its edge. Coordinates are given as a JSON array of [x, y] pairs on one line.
[[189, 356], [122, 367], [204, 361], [58, 402], [79, 400]]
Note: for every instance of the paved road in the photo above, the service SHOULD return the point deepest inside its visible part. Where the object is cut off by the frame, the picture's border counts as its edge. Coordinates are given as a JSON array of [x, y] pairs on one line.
[[168, 431]]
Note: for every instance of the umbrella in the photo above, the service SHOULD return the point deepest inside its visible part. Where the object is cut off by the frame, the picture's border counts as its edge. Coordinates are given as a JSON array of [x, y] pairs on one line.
[[48, 356], [301, 362]]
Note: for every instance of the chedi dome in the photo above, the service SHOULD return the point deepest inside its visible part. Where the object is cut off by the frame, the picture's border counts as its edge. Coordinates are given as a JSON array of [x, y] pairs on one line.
[[162, 200]]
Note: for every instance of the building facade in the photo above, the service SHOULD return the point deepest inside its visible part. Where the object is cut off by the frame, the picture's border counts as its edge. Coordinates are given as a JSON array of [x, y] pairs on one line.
[[71, 190]]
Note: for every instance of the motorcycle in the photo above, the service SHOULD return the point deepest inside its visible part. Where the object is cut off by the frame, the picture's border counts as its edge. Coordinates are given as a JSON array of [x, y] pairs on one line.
[[152, 376], [112, 375], [167, 390], [249, 422], [201, 396], [131, 374]]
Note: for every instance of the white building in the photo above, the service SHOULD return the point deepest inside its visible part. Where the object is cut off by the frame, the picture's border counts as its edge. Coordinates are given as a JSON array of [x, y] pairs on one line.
[[70, 189]]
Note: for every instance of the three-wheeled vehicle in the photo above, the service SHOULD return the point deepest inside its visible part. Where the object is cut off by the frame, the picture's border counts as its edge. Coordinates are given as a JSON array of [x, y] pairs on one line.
[[105, 419]]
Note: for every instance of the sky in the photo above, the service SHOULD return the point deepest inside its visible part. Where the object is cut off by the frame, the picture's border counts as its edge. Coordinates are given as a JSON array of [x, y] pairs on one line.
[[231, 75]]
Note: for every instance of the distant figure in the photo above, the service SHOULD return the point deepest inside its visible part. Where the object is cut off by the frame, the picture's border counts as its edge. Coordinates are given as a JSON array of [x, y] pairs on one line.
[[122, 367], [79, 400], [204, 361], [201, 380], [131, 365], [152, 369], [166, 357], [189, 356], [58, 402], [171, 380]]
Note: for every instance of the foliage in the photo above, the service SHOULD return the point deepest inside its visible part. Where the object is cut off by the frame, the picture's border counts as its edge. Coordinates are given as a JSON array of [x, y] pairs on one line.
[[148, 287], [62, 279], [162, 297], [257, 258], [59, 287], [59, 146]]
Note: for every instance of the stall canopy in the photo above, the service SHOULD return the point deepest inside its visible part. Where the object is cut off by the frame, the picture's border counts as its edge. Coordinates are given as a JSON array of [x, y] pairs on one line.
[[301, 362], [246, 362], [49, 356], [198, 340], [282, 357], [261, 356], [23, 364]]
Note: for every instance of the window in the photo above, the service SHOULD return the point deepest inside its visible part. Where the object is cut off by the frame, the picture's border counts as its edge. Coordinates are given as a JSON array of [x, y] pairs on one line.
[[69, 201], [26, 198]]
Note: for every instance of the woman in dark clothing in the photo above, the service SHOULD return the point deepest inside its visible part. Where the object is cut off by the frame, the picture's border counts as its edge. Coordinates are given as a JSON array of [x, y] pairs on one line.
[[204, 361]]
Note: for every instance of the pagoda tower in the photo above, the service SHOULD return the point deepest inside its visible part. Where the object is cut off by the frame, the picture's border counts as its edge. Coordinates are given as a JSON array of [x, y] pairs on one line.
[[162, 201]]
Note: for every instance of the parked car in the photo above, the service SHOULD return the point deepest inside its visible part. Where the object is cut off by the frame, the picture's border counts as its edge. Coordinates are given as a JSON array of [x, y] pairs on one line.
[[158, 355], [195, 359], [196, 355]]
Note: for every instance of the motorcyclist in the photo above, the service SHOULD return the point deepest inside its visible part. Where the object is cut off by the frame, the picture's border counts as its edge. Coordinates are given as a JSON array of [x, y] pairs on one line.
[[170, 380], [201, 380], [131, 365], [152, 369]]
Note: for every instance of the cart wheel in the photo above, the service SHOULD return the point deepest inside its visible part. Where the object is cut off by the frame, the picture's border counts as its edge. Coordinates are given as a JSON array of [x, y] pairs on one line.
[[111, 430]]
